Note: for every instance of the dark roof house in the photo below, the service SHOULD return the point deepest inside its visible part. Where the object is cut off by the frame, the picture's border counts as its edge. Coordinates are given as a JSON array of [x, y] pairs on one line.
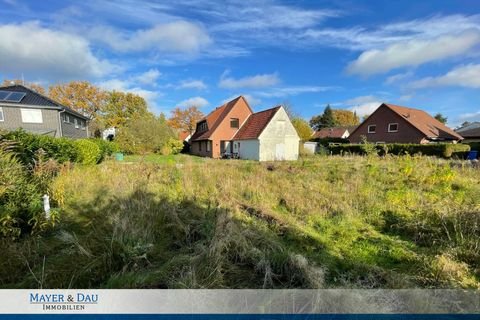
[[396, 124], [22, 107], [334, 132]]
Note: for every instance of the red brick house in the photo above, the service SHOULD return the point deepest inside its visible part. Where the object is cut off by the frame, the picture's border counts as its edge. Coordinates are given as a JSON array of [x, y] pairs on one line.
[[396, 124], [214, 133], [234, 129]]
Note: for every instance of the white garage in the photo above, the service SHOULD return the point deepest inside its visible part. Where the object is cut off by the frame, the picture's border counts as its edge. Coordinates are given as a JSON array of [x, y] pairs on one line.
[[267, 136]]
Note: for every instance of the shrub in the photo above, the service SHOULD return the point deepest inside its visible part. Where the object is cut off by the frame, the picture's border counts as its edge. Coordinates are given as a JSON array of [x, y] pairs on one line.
[[88, 151], [444, 150], [20, 197], [28, 144], [145, 135], [107, 148]]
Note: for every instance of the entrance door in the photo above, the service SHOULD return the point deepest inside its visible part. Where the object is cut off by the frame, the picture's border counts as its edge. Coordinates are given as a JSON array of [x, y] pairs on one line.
[[280, 151]]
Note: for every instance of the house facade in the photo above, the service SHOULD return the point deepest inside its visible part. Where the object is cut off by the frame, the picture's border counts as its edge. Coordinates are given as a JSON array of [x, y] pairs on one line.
[[214, 133], [268, 136], [233, 129], [21, 107], [395, 124]]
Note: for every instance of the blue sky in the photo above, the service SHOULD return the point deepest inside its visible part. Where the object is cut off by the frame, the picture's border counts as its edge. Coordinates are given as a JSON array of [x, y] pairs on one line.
[[351, 54]]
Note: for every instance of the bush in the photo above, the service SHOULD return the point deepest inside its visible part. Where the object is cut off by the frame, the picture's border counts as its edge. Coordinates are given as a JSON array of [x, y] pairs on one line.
[[20, 197], [88, 151], [172, 146], [444, 150], [107, 148], [145, 135], [28, 144]]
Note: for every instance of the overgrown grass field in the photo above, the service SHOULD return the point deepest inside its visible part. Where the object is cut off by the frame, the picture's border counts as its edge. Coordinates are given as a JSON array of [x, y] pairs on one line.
[[321, 222]]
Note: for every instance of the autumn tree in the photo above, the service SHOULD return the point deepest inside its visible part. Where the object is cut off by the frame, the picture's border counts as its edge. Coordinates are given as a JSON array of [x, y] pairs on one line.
[[81, 96], [123, 106], [440, 117], [185, 119], [31, 85], [303, 129], [345, 117]]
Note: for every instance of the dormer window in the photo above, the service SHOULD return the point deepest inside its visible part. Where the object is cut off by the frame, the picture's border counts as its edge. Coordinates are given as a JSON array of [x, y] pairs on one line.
[[202, 126], [372, 128]]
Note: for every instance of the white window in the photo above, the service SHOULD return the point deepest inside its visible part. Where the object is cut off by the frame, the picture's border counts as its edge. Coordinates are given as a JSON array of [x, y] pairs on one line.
[[392, 127], [209, 145], [372, 128], [1, 115], [83, 124], [77, 126], [31, 115]]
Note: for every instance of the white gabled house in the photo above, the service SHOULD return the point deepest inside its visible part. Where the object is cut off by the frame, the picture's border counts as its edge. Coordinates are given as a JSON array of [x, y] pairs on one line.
[[268, 135]]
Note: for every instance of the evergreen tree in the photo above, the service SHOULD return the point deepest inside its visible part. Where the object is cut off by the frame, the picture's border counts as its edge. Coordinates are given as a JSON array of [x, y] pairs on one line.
[[328, 120]]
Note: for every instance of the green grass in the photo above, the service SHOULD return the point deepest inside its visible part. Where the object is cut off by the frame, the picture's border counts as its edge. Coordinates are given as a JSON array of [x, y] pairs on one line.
[[162, 159], [320, 222]]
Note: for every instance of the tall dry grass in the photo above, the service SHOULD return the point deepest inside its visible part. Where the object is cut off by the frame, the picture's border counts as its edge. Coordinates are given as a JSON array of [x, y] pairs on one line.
[[393, 222]]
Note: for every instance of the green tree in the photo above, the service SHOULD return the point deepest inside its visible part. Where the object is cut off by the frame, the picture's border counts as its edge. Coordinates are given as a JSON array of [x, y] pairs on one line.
[[146, 135], [122, 107], [440, 117], [303, 129], [326, 120]]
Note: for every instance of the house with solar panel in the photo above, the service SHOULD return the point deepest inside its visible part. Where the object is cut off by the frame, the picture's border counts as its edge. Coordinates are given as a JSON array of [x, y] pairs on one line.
[[21, 107]]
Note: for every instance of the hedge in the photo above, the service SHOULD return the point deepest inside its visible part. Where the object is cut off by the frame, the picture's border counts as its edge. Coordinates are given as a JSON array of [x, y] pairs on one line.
[[445, 150], [88, 151], [326, 141], [26, 146]]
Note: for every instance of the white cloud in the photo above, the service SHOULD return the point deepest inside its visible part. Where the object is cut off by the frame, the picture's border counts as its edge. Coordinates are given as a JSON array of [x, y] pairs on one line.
[[257, 81], [363, 105], [36, 51], [398, 77], [192, 84], [173, 37], [463, 76], [293, 91], [194, 101], [472, 116], [413, 52], [149, 77]]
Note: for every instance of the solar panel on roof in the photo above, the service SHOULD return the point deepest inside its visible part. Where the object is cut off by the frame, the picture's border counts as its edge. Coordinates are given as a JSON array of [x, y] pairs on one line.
[[15, 96], [4, 94], [11, 96]]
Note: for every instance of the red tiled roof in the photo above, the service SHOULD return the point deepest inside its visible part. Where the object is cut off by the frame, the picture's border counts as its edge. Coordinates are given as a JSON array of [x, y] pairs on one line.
[[183, 135], [428, 125], [335, 132], [214, 119], [255, 124]]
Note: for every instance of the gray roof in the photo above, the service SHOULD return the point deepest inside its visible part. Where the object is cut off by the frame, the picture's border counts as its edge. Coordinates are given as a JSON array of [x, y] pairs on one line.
[[33, 98]]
